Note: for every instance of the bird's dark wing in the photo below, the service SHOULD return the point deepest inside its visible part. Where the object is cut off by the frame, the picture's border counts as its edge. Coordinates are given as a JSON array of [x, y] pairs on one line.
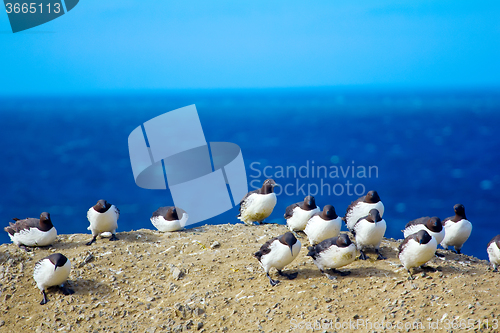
[[243, 200], [405, 242], [264, 249], [25, 224], [351, 206], [289, 209], [316, 249], [421, 220], [495, 239], [161, 211]]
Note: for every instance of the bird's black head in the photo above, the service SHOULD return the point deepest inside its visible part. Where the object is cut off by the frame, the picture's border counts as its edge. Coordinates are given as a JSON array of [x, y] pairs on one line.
[[45, 216], [45, 221], [58, 260], [372, 197], [268, 186], [102, 206], [343, 240], [460, 210], [423, 237], [171, 214], [289, 240], [374, 216], [309, 202], [329, 213], [434, 224]]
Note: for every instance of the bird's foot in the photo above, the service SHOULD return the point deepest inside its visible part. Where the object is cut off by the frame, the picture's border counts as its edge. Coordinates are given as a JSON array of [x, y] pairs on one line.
[[44, 300], [25, 248], [379, 255], [113, 238], [91, 241], [273, 282], [363, 256]]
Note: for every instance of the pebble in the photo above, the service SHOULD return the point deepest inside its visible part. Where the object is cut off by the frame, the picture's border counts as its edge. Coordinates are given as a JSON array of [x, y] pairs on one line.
[[177, 273]]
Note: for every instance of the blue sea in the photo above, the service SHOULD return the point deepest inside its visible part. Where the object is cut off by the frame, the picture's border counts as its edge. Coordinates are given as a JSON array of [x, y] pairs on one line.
[[423, 151]]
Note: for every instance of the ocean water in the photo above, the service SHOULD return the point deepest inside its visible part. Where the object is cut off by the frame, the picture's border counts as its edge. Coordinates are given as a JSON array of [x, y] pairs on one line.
[[422, 151]]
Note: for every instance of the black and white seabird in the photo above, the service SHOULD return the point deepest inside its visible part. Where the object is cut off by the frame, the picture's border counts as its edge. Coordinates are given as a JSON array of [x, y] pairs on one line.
[[333, 253], [416, 250], [430, 224], [299, 213], [369, 231], [279, 252], [457, 229], [103, 218], [361, 208], [32, 231], [323, 225], [52, 271], [493, 250], [257, 205], [167, 219]]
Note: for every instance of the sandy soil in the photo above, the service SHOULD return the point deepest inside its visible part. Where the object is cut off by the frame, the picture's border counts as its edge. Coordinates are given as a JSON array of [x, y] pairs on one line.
[[171, 282]]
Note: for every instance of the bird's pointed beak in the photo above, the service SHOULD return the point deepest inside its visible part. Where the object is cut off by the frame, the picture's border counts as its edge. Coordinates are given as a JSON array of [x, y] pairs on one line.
[[291, 250]]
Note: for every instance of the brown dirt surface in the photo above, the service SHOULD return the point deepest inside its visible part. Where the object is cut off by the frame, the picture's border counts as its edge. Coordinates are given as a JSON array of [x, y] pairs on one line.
[[207, 280]]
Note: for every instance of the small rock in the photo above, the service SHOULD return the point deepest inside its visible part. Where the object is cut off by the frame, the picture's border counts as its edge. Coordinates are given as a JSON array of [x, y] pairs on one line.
[[215, 245], [2, 322], [87, 259], [198, 311], [199, 326], [177, 273]]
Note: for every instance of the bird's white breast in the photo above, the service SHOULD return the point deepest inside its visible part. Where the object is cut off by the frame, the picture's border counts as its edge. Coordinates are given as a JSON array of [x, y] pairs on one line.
[[299, 218], [369, 234], [280, 255], [163, 225], [317, 229], [494, 253], [412, 229], [45, 276], [102, 222], [415, 254], [34, 237], [335, 257], [456, 233], [361, 210], [257, 207]]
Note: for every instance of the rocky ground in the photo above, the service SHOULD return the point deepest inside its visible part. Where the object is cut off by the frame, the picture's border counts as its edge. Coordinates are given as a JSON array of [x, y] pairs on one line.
[[207, 280]]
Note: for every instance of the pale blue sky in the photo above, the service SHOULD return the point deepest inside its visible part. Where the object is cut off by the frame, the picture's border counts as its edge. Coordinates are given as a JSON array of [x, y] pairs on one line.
[[109, 45]]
